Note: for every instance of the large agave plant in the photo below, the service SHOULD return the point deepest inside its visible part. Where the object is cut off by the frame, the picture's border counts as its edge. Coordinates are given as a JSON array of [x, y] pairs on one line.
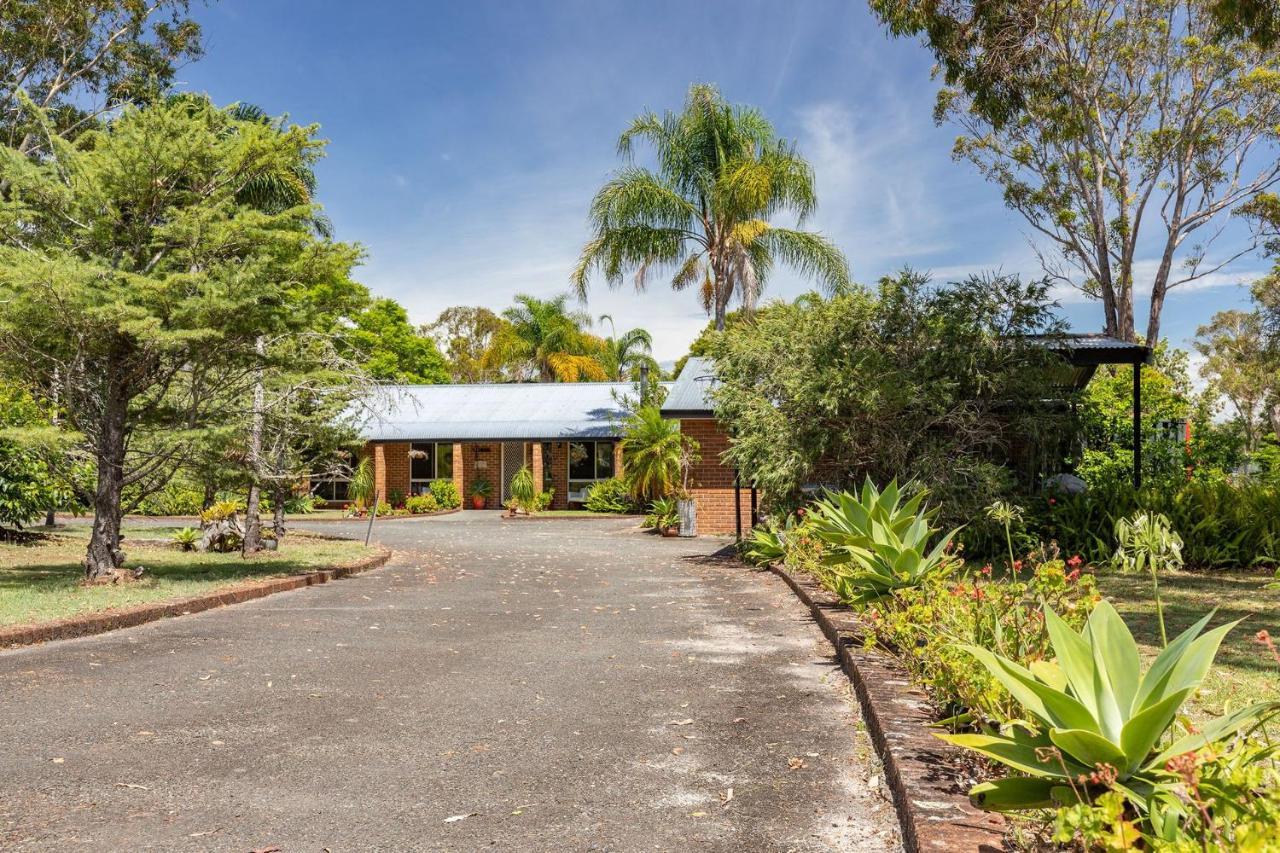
[[878, 542], [1097, 721]]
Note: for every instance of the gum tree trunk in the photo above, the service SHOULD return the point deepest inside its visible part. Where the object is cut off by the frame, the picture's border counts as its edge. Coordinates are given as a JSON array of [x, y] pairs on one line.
[[104, 555], [278, 498], [252, 522]]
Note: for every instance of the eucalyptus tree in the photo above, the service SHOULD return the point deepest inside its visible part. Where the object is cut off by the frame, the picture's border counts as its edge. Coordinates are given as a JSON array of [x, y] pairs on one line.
[[137, 282], [1127, 133], [703, 212], [548, 341], [77, 60]]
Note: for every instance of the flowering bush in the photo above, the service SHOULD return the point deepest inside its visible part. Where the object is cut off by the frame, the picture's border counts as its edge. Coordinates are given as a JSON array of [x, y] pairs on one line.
[[928, 625]]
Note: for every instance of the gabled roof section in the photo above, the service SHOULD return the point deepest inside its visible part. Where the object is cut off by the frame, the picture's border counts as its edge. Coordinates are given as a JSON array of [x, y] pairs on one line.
[[549, 411], [690, 395]]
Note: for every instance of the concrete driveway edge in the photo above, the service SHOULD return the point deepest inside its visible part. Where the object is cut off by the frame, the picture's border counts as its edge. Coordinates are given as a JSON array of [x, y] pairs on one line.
[[99, 623], [932, 804]]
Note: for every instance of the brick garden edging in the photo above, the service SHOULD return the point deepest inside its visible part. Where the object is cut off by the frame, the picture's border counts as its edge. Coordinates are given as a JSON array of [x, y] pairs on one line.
[[99, 623], [933, 806]]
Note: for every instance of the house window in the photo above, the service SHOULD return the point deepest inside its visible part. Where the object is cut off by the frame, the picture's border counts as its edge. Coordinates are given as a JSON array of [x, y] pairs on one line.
[[589, 462], [429, 461], [336, 489]]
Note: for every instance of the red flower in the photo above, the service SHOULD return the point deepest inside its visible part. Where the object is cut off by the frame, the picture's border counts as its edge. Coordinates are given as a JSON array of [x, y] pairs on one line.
[[986, 570], [1074, 574], [1075, 561], [1052, 501], [1017, 566]]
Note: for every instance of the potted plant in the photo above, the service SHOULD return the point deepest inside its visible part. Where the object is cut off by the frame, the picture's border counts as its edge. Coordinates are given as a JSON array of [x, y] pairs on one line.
[[480, 491], [663, 517], [523, 496]]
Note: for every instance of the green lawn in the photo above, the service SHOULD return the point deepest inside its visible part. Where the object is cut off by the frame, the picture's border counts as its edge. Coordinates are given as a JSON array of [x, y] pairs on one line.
[[1244, 672], [41, 581]]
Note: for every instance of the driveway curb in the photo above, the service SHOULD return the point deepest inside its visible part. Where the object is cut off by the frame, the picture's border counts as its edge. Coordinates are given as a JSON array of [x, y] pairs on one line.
[[932, 804], [99, 623]]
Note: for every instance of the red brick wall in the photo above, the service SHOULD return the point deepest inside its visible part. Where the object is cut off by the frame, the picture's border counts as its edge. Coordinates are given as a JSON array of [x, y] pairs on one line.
[[712, 481], [390, 468]]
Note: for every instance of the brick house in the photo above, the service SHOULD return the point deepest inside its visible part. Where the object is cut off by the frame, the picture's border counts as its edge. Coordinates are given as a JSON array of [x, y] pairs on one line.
[[724, 504], [567, 433]]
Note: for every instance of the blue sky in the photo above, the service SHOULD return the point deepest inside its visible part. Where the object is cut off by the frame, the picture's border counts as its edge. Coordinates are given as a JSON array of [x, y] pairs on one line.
[[467, 139]]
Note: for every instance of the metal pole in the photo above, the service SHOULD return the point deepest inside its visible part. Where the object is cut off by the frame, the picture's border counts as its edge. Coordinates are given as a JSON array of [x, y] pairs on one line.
[[372, 515], [1137, 425], [737, 505], [754, 518]]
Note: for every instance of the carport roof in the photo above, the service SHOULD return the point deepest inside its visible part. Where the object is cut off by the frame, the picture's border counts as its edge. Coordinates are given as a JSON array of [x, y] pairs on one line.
[[495, 412]]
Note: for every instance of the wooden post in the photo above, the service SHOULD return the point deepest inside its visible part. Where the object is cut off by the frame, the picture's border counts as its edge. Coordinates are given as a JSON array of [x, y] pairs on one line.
[[617, 459], [459, 479]]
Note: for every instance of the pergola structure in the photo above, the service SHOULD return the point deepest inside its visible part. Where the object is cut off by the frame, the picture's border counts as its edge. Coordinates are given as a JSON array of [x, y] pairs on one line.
[[1085, 353]]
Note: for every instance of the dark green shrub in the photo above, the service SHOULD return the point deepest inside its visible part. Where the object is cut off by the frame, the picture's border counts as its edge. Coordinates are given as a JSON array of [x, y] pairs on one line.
[[609, 496]]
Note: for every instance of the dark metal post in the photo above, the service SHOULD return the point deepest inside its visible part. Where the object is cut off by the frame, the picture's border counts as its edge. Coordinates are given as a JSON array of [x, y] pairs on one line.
[[1137, 425], [754, 519], [737, 505], [372, 515]]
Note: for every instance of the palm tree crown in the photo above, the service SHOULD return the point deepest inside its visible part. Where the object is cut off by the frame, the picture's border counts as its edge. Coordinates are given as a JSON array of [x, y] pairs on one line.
[[549, 340], [623, 355], [703, 212]]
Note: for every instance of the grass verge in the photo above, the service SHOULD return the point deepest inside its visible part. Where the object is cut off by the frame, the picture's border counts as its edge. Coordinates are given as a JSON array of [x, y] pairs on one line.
[[40, 581]]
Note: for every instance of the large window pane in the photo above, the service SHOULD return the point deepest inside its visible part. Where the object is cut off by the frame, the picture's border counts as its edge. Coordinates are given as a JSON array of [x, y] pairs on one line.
[[444, 461], [420, 463], [604, 459], [548, 467], [581, 459]]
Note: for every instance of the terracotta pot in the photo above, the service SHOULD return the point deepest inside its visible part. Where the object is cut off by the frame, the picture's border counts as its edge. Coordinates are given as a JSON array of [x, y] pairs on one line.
[[477, 501]]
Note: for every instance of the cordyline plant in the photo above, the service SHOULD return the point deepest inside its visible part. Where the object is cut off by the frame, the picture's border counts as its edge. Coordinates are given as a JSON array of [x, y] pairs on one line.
[[1094, 722], [877, 542]]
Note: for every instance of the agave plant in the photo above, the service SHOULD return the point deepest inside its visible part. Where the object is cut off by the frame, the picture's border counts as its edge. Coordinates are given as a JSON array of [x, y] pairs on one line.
[[1097, 722], [878, 542], [765, 545]]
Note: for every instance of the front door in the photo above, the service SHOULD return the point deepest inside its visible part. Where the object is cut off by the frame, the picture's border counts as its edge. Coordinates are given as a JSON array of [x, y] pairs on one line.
[[512, 462]]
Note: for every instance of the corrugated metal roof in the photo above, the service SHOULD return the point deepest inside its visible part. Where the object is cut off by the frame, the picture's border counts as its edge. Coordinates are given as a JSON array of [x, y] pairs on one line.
[[689, 396], [1091, 350], [494, 412]]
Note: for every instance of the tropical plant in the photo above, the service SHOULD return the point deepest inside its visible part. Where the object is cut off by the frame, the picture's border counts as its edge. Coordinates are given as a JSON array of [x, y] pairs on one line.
[[766, 544], [623, 355], [663, 514], [481, 488], [550, 340], [186, 538], [222, 510], [651, 452], [1147, 542], [721, 173], [362, 485], [1093, 722], [877, 543], [522, 491], [610, 495]]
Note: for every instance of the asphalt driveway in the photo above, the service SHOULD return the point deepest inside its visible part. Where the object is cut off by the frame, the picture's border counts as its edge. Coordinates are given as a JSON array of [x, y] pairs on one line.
[[557, 685]]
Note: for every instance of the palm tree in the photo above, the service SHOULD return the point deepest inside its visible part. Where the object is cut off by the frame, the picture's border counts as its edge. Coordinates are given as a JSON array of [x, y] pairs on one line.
[[623, 355], [550, 339], [721, 173], [652, 448]]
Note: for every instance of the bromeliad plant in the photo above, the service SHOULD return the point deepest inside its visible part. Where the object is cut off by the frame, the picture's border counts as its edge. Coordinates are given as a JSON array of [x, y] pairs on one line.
[[877, 542], [1095, 723]]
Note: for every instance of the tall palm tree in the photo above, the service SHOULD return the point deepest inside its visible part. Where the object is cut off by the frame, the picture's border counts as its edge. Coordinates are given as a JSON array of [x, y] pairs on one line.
[[623, 355], [550, 339], [721, 173]]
